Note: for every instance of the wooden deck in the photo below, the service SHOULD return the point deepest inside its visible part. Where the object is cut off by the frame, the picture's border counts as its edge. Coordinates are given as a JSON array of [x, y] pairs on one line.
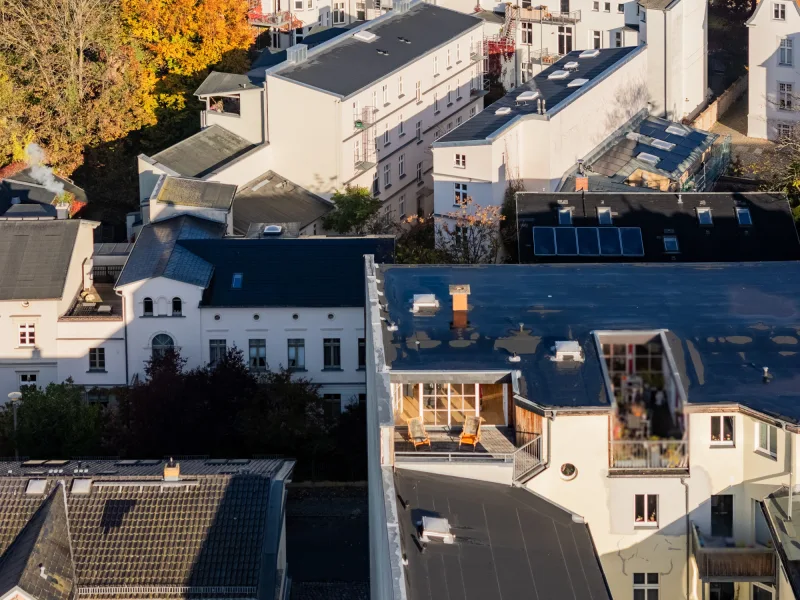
[[494, 440]]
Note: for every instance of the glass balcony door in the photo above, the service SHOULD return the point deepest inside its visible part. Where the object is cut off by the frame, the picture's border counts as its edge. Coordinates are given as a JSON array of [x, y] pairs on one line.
[[447, 404]]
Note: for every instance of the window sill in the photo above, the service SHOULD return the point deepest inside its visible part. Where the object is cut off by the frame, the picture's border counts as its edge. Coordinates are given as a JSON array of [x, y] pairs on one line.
[[419, 142], [458, 62], [402, 135], [436, 112], [363, 368], [766, 454], [436, 74], [450, 67], [387, 187], [419, 183], [419, 102], [332, 369], [638, 525], [401, 177], [722, 445], [459, 99], [97, 371], [163, 317], [449, 104], [401, 96], [459, 167], [387, 144], [385, 104]]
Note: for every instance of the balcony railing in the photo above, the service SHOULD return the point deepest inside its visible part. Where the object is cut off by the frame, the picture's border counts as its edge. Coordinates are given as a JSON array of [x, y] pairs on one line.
[[543, 56], [649, 455], [720, 563], [542, 15]]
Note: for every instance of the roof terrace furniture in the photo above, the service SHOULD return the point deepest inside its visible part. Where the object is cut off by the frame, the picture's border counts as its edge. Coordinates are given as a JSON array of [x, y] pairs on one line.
[[417, 434], [471, 434]]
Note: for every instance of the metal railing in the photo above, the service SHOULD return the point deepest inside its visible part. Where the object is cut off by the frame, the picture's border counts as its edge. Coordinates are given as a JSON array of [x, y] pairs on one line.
[[106, 273], [474, 457], [712, 169], [542, 15], [543, 56], [641, 454], [527, 458], [755, 563]]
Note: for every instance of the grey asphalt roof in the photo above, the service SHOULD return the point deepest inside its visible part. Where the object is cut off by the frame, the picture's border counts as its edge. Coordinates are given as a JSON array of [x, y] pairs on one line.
[[34, 258], [157, 254], [273, 199], [269, 58], [306, 271], [555, 92], [509, 543], [658, 4], [350, 65], [195, 192], [725, 322], [204, 152], [225, 83], [35, 199]]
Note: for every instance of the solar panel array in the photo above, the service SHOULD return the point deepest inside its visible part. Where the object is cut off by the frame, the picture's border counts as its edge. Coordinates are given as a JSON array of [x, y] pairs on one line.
[[588, 241]]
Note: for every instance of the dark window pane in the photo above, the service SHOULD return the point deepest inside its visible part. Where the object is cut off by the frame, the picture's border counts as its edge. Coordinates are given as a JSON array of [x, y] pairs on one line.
[[727, 430], [639, 512], [652, 509], [652, 594], [638, 578], [773, 440], [638, 595], [652, 578], [715, 435]]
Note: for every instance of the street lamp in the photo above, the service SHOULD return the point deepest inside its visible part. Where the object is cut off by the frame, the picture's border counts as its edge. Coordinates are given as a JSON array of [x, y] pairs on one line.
[[14, 398]]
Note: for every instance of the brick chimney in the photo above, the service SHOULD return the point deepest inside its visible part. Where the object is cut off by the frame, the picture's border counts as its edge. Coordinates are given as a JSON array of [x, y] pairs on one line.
[[459, 294], [172, 471], [581, 183]]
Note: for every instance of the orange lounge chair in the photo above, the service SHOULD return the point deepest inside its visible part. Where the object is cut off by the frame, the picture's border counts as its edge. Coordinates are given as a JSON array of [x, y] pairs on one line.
[[417, 434], [471, 433]]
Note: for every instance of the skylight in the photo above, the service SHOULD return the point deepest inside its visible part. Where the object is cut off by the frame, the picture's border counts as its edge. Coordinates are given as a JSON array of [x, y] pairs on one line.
[[506, 110], [236, 282], [527, 96], [573, 64], [671, 244], [743, 216], [365, 36], [589, 53], [662, 145], [704, 216], [558, 75], [677, 130], [604, 215], [577, 82], [565, 216], [648, 158]]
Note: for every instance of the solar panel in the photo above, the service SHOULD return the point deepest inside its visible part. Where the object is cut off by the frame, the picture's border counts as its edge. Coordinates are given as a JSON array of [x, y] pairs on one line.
[[566, 243], [609, 241], [631, 238], [588, 242], [544, 241]]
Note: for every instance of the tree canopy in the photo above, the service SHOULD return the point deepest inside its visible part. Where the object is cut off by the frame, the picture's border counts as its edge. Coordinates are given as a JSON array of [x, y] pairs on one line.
[[356, 212]]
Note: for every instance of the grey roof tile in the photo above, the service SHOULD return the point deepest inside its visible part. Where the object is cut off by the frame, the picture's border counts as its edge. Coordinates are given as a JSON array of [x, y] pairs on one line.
[[204, 152], [224, 83], [195, 192]]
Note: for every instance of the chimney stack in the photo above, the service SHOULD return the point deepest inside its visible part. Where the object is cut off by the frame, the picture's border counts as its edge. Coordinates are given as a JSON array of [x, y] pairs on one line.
[[172, 471], [459, 294], [582, 183], [62, 210]]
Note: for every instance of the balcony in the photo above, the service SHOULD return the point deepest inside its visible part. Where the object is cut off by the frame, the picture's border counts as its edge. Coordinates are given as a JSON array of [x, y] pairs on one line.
[[543, 57], [97, 303], [649, 455], [719, 560], [540, 14]]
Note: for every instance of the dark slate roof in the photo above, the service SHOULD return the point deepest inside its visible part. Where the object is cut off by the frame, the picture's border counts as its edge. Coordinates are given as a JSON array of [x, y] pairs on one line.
[[225, 83], [222, 515], [509, 543], [273, 199], [157, 254], [204, 152], [35, 257], [425, 25], [725, 322], [269, 58], [35, 200], [195, 192], [555, 93], [771, 237], [311, 272], [43, 543]]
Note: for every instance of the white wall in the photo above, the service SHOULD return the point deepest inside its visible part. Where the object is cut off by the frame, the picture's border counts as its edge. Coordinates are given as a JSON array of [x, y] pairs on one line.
[[248, 124]]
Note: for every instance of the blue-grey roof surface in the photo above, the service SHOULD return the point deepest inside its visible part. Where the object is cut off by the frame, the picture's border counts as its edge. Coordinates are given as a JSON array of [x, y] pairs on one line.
[[204, 152], [725, 323], [350, 65], [157, 254], [555, 92], [308, 272], [269, 58], [225, 83]]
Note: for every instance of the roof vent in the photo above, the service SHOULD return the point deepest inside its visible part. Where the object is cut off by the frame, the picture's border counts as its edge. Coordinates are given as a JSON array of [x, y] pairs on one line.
[[297, 53], [662, 145], [560, 74], [527, 96], [568, 351], [436, 527], [424, 302], [365, 36], [677, 130], [36, 487], [81, 487], [383, 52], [589, 53], [577, 82], [571, 65], [506, 110], [273, 230], [650, 159]]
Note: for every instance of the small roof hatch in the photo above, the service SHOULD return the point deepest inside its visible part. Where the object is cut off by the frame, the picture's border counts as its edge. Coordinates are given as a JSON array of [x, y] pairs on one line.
[[577, 82], [589, 53], [365, 36], [505, 110], [559, 74], [650, 159]]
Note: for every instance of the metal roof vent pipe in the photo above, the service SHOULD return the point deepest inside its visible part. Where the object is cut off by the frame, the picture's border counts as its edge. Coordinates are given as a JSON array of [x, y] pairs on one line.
[[680, 199], [766, 376], [460, 293]]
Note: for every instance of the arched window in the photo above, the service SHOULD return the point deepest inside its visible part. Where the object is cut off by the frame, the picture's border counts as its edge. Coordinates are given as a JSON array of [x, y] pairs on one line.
[[161, 343], [148, 307], [177, 307]]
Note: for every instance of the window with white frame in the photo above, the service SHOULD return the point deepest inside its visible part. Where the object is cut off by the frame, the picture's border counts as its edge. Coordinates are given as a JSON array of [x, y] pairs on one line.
[[28, 378], [385, 90], [461, 161], [435, 66], [27, 334], [147, 307], [375, 99], [419, 172], [618, 39], [400, 125], [435, 102], [595, 39], [418, 130], [216, 350], [784, 130], [449, 62], [473, 111], [357, 150], [402, 205], [400, 86], [643, 16], [607, 7], [401, 165], [458, 89], [376, 184], [779, 11], [436, 134], [338, 13], [595, 6], [460, 194], [458, 53], [645, 510], [449, 126], [762, 591], [722, 430], [386, 134], [459, 120], [387, 175], [767, 439], [418, 91], [449, 95], [645, 586], [786, 53], [620, 8], [785, 96], [97, 359], [296, 349], [527, 33], [332, 353], [258, 354], [473, 82]]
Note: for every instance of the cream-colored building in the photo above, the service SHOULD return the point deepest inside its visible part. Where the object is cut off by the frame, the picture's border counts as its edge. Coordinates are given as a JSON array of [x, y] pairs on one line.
[[657, 404]]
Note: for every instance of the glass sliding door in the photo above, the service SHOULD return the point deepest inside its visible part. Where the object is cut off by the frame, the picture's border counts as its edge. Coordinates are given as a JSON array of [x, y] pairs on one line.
[[448, 404]]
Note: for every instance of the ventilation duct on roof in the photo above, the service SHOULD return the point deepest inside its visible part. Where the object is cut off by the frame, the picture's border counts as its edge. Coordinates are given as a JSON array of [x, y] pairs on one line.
[[365, 36], [577, 82], [648, 158], [297, 53], [589, 53], [560, 74], [506, 110]]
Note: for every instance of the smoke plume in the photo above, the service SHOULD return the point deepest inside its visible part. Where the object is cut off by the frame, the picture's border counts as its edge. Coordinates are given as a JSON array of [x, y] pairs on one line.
[[41, 173]]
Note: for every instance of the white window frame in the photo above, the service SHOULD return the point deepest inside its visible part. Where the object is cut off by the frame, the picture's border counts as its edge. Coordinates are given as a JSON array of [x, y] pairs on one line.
[[646, 587], [527, 32], [786, 52], [402, 205], [646, 522], [386, 134], [375, 99], [618, 39], [596, 6], [401, 165], [435, 102], [400, 125], [784, 129], [778, 11], [26, 335], [435, 66], [767, 451], [418, 91], [607, 7], [385, 90], [449, 94], [449, 59], [418, 131], [461, 161], [720, 419], [97, 359], [460, 197], [400, 86], [785, 95], [387, 175], [419, 171], [473, 111], [766, 587], [458, 53], [28, 375], [459, 120], [595, 39]]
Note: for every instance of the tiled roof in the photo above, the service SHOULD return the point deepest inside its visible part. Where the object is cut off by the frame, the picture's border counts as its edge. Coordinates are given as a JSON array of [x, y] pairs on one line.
[[204, 152], [196, 192]]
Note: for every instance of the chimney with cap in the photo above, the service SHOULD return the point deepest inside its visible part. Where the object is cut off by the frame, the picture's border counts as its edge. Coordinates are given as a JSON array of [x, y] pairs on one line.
[[172, 471], [581, 183], [459, 294]]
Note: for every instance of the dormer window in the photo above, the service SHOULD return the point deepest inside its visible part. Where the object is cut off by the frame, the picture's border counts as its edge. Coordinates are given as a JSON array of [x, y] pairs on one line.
[[604, 215], [148, 307], [565, 216], [236, 282]]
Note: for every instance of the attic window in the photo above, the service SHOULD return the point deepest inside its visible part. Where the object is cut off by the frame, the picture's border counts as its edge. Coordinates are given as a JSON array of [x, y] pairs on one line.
[[36, 487], [604, 215], [236, 282], [577, 82], [671, 244], [650, 159], [677, 130], [704, 216], [662, 145], [743, 216], [560, 74]]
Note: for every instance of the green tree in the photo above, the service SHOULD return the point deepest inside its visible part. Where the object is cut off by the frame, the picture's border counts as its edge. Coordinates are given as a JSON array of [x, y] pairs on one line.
[[471, 234], [356, 212], [779, 169]]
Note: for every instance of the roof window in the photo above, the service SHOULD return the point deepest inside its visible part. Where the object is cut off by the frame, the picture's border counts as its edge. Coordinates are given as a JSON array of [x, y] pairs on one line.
[[36, 487], [577, 82], [677, 130], [424, 302], [650, 159], [671, 244], [604, 215], [662, 145], [506, 110], [744, 217], [559, 74], [273, 229], [704, 216], [527, 96], [236, 282], [81, 487], [565, 216], [571, 65], [589, 53], [365, 36]]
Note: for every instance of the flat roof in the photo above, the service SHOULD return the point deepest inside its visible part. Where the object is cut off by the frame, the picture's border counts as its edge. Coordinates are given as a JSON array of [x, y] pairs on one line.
[[509, 543], [555, 92], [724, 323], [771, 236], [348, 65], [204, 152]]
